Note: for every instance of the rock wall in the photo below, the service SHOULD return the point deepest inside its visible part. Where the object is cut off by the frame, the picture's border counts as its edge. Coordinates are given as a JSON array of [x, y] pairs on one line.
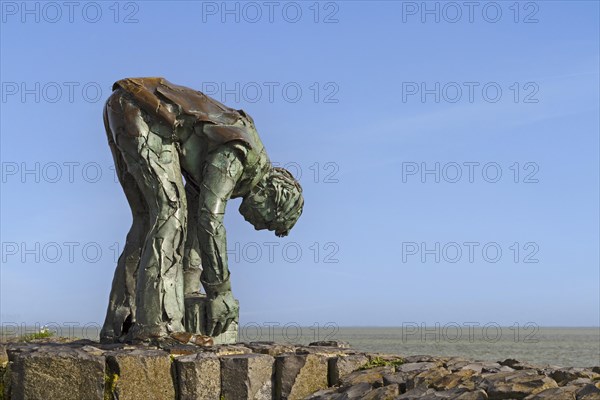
[[263, 370]]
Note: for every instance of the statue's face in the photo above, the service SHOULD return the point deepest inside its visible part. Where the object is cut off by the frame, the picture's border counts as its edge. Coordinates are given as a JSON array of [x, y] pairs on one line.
[[260, 209], [255, 210]]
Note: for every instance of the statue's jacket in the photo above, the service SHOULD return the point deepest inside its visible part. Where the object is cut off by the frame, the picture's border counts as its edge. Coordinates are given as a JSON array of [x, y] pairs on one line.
[[217, 124]]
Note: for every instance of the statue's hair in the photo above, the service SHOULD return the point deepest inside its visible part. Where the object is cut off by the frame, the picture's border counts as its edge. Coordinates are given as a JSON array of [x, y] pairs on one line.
[[288, 195], [276, 200]]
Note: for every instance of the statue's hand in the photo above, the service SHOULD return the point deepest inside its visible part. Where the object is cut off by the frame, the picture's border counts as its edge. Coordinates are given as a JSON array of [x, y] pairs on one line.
[[221, 311]]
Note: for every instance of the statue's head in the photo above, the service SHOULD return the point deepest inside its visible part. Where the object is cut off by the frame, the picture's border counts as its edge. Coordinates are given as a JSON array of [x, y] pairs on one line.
[[275, 203]]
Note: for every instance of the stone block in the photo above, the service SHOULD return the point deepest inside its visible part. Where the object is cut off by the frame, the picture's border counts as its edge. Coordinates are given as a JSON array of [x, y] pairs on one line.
[[270, 348], [515, 385], [327, 351], [56, 372], [247, 377], [297, 376], [140, 375], [559, 393], [342, 365], [229, 349], [3, 354], [428, 378], [372, 376], [331, 343], [198, 377], [589, 392], [383, 393]]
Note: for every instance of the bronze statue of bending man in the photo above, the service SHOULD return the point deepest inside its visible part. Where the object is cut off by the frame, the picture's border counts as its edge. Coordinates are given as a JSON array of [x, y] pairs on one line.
[[157, 132]]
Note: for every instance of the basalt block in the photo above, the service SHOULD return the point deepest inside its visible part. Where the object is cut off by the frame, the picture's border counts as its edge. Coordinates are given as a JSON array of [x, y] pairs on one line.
[[55, 372], [299, 375], [341, 366], [199, 377], [140, 375], [247, 377]]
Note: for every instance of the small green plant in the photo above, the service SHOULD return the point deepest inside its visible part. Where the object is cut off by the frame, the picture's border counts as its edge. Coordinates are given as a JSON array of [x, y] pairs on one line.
[[110, 384], [380, 362], [42, 334]]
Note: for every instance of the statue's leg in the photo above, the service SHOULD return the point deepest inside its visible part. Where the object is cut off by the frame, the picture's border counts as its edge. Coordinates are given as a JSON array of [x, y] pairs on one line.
[[121, 306], [154, 163], [192, 263]]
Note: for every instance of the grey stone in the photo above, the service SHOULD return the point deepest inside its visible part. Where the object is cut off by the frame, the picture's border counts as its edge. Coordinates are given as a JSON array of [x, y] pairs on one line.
[[446, 394], [357, 391], [476, 366], [388, 392], [297, 376], [247, 377], [515, 385], [455, 364], [589, 392], [270, 348], [559, 393], [342, 365], [180, 349], [5, 381], [425, 358], [493, 367], [325, 394], [481, 366], [199, 377], [516, 364], [415, 394], [476, 395], [331, 343], [56, 373], [581, 382], [229, 350], [428, 378], [397, 378], [140, 375], [590, 396], [417, 366], [563, 376], [372, 376], [3, 354], [464, 378], [328, 352]]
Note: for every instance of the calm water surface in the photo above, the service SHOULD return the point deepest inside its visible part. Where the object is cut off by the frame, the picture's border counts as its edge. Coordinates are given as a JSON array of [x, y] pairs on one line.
[[579, 347], [555, 346]]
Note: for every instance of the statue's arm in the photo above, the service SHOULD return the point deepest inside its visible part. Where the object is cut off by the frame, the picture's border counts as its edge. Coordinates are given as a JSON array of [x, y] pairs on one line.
[[222, 170]]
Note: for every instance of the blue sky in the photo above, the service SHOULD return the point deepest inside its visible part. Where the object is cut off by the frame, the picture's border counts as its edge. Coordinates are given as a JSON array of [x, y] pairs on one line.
[[359, 98]]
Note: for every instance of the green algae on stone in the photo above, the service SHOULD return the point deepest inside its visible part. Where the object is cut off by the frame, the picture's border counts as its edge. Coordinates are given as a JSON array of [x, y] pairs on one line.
[[380, 362]]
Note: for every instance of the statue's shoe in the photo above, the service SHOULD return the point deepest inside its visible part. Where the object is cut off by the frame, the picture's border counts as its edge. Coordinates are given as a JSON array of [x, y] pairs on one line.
[[187, 337], [201, 340], [181, 337]]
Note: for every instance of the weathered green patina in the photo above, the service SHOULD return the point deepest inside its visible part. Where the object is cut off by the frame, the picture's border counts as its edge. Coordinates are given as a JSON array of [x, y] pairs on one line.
[[159, 132]]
